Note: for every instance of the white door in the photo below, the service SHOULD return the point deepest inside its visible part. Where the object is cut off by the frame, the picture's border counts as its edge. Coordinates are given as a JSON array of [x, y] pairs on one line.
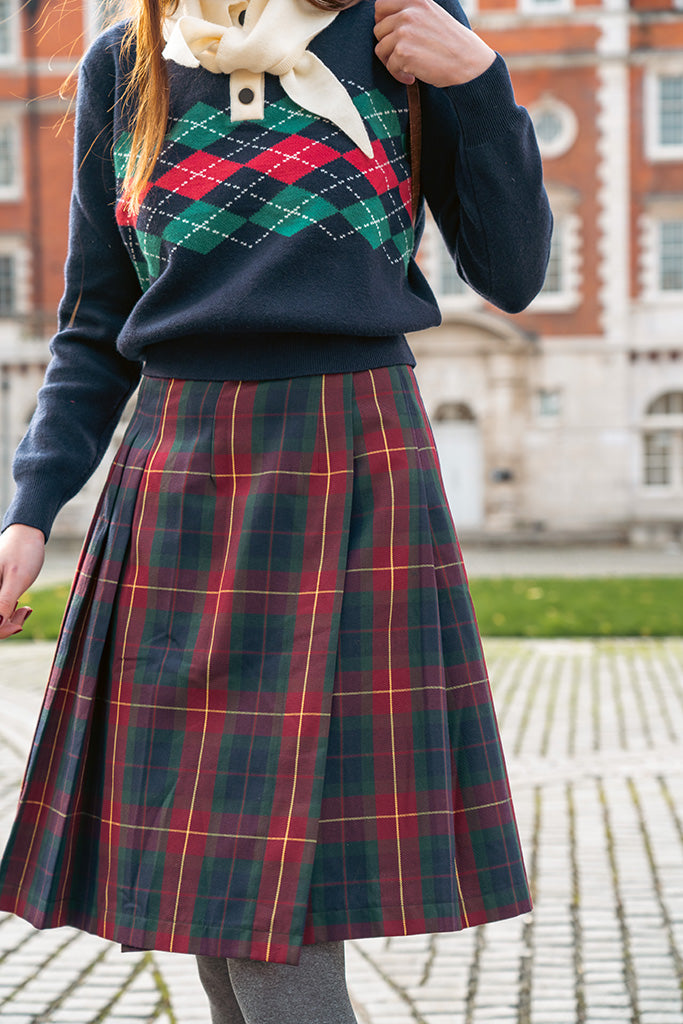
[[459, 446]]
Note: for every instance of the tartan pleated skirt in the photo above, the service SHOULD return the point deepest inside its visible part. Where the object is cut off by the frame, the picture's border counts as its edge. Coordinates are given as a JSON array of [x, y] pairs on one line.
[[269, 720]]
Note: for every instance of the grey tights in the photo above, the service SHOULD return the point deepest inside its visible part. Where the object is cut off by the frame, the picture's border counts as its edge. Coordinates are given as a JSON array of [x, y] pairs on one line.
[[254, 992]]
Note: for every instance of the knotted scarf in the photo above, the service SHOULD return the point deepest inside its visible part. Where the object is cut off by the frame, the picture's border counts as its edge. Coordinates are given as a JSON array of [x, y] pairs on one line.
[[270, 37]]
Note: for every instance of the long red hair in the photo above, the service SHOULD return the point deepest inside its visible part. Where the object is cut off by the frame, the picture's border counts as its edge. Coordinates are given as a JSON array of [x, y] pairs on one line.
[[147, 90]]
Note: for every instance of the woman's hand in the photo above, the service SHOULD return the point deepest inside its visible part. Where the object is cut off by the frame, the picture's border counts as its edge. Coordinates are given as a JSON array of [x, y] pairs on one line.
[[22, 551], [419, 39]]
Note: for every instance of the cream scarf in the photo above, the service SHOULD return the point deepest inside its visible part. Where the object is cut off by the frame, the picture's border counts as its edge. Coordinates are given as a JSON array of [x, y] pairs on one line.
[[272, 39]]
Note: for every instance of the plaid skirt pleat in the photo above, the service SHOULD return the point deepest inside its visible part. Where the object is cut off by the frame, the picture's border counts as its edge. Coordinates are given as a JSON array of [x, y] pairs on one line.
[[269, 720]]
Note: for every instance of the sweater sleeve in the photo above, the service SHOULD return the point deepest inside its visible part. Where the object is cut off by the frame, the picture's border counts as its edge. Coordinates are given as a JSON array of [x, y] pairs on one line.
[[87, 382], [482, 179]]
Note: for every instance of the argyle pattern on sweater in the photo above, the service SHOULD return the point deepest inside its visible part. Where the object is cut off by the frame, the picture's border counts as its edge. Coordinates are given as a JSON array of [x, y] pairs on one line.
[[221, 181]]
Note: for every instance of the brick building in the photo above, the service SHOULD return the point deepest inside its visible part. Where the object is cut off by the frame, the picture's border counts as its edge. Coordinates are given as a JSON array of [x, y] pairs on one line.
[[569, 417], [566, 419], [40, 44]]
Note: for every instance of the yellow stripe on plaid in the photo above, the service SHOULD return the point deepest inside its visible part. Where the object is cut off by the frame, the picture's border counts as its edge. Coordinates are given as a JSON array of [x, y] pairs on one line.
[[392, 529], [144, 489], [207, 678], [321, 562]]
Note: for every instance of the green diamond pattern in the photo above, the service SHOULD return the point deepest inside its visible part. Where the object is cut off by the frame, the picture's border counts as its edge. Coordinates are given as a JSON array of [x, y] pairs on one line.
[[201, 126], [121, 154], [370, 219], [150, 247], [379, 114], [202, 227], [292, 210]]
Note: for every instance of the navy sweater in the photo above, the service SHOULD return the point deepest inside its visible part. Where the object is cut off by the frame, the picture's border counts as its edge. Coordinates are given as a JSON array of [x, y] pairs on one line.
[[270, 248]]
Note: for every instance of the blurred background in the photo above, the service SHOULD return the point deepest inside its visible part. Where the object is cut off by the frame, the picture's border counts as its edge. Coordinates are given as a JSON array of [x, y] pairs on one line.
[[562, 424]]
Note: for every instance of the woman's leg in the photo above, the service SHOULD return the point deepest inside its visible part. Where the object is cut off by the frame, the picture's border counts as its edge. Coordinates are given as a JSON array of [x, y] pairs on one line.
[[215, 978], [313, 992]]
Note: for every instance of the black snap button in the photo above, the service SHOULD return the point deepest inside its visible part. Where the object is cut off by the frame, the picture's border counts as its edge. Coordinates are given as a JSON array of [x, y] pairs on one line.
[[241, 16], [245, 95]]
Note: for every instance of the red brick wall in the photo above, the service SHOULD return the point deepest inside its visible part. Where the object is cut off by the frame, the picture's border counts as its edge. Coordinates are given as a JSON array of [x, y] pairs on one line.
[[57, 35]]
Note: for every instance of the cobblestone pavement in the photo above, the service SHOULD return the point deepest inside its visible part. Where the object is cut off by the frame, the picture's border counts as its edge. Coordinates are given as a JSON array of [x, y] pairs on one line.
[[593, 734]]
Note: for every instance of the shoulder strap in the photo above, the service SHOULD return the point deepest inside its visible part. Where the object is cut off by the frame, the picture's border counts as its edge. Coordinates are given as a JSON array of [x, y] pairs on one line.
[[414, 144]]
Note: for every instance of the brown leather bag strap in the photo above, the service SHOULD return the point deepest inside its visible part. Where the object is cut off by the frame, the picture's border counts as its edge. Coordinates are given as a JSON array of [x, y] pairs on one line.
[[414, 145]]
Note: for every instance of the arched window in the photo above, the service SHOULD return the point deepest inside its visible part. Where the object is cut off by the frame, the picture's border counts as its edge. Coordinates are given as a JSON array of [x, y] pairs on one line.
[[663, 442]]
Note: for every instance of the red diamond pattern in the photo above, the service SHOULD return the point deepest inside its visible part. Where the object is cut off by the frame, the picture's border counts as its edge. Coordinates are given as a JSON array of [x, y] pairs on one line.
[[292, 158], [197, 175], [377, 169]]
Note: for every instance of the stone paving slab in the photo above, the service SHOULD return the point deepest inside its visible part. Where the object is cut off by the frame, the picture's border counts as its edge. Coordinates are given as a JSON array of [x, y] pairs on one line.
[[593, 733]]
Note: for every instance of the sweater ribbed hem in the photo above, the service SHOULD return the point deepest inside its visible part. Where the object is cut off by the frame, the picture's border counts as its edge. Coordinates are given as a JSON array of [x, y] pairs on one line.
[[271, 356]]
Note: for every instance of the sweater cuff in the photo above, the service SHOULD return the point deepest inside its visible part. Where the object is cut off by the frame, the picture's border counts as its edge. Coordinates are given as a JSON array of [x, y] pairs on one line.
[[34, 506], [485, 107]]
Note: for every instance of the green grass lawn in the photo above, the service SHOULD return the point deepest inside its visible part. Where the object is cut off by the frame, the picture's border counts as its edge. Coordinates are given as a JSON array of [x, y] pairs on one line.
[[528, 606], [557, 606]]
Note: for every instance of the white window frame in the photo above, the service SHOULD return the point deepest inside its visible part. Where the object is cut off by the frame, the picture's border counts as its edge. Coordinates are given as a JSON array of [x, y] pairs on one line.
[[545, 7], [655, 149], [432, 252], [14, 190], [569, 125], [566, 239], [14, 32], [659, 211], [665, 423], [13, 245]]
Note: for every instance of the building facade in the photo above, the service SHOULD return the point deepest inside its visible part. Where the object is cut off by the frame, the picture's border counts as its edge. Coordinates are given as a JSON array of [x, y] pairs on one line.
[[570, 415], [565, 420], [40, 44]]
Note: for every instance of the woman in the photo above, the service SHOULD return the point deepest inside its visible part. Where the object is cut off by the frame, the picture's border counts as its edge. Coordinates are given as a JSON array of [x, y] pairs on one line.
[[268, 727]]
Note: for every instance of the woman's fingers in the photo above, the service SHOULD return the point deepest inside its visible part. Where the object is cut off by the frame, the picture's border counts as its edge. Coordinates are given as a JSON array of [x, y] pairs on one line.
[[419, 39], [14, 623], [22, 550]]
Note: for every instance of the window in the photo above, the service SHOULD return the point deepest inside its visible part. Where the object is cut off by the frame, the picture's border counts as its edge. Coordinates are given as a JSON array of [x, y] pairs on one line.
[[545, 6], [10, 160], [658, 458], [448, 281], [14, 277], [661, 250], [671, 110], [671, 256], [9, 31], [549, 403], [555, 124], [664, 114], [561, 289], [439, 268], [557, 264], [663, 442], [8, 285]]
